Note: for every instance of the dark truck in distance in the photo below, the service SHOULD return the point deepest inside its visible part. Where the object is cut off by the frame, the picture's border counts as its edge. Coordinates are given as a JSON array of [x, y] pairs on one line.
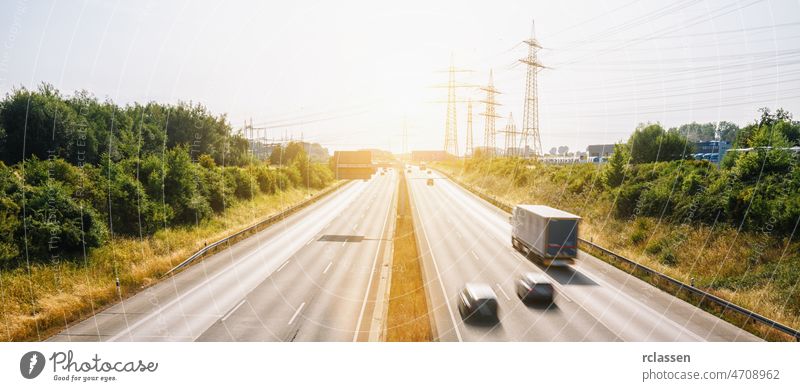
[[550, 235]]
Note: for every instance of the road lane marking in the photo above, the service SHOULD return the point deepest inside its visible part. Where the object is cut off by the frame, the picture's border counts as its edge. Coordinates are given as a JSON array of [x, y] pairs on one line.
[[224, 318], [372, 273], [458, 234], [484, 212], [681, 329], [503, 292], [326, 207], [326, 268], [355, 226], [438, 275], [474, 255], [297, 312], [284, 264]]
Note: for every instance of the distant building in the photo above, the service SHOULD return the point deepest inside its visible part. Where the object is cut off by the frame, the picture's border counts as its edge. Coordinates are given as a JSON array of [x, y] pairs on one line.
[[712, 151], [353, 164], [600, 150], [430, 156]]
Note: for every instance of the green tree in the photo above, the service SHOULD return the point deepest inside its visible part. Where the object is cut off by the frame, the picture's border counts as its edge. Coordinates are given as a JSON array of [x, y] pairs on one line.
[[276, 155], [650, 143], [35, 124], [56, 224], [614, 171]]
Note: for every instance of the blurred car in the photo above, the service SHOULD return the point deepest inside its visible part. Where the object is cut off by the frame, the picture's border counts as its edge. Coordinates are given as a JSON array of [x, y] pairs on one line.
[[430, 182], [429, 171], [477, 301], [535, 288]]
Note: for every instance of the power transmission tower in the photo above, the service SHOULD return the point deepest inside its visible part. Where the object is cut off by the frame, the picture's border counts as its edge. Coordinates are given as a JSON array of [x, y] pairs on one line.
[[511, 135], [469, 150], [450, 126], [489, 133], [530, 114]]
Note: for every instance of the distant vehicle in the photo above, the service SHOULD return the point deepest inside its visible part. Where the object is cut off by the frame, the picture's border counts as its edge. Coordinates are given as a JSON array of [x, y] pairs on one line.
[[549, 234], [477, 301], [383, 172], [430, 182], [409, 171], [422, 166], [429, 172], [534, 288]]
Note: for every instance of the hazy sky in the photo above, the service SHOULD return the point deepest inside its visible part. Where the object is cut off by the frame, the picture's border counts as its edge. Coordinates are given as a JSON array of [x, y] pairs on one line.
[[354, 70]]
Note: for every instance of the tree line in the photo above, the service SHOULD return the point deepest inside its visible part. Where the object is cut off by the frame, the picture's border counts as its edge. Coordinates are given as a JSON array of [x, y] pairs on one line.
[[76, 171], [653, 174]]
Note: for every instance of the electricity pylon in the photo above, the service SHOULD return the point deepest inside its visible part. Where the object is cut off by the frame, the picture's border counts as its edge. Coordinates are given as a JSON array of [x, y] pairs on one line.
[[469, 150], [450, 125], [530, 114], [489, 133], [511, 136]]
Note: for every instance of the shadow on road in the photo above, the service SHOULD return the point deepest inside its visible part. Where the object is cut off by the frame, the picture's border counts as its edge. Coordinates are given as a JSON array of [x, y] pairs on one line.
[[568, 276], [549, 307]]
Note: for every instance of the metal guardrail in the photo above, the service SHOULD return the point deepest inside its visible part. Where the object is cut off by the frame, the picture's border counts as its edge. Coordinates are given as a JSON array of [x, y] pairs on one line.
[[282, 214], [703, 295]]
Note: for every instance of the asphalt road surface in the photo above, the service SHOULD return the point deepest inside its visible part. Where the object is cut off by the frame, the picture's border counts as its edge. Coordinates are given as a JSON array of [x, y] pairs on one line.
[[465, 239], [311, 277]]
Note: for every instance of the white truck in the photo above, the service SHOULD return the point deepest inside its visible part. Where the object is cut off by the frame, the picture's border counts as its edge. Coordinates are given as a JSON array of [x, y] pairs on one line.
[[549, 234]]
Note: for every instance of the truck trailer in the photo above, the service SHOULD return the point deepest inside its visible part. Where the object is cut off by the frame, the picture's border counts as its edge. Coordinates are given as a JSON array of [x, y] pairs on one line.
[[549, 235]]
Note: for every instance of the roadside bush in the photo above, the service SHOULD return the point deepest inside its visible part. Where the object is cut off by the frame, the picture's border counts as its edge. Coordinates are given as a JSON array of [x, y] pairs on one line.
[[242, 184], [57, 225]]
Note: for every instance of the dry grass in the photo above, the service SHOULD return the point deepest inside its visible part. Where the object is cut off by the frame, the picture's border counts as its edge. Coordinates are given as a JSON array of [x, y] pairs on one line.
[[38, 302], [713, 256], [408, 319]]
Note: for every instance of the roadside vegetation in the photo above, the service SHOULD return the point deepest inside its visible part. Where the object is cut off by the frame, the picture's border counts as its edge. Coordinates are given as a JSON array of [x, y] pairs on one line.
[[730, 229], [408, 319], [91, 191]]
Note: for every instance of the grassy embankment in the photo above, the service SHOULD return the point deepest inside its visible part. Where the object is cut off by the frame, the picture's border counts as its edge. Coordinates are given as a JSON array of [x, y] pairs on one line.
[[408, 309], [38, 302], [752, 269]]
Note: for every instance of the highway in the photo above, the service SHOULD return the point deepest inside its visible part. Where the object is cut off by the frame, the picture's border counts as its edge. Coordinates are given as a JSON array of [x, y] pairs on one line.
[[310, 277], [464, 239], [317, 276]]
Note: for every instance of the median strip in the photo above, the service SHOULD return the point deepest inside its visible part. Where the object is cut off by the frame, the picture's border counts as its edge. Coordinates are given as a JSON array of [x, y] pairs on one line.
[[408, 319]]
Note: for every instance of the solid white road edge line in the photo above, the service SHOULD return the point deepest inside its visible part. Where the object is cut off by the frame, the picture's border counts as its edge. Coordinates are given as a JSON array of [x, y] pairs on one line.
[[441, 284], [371, 274]]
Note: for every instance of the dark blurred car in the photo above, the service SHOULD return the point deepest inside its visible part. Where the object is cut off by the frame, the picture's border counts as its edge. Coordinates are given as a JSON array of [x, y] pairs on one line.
[[535, 288], [429, 171], [430, 182], [478, 301]]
